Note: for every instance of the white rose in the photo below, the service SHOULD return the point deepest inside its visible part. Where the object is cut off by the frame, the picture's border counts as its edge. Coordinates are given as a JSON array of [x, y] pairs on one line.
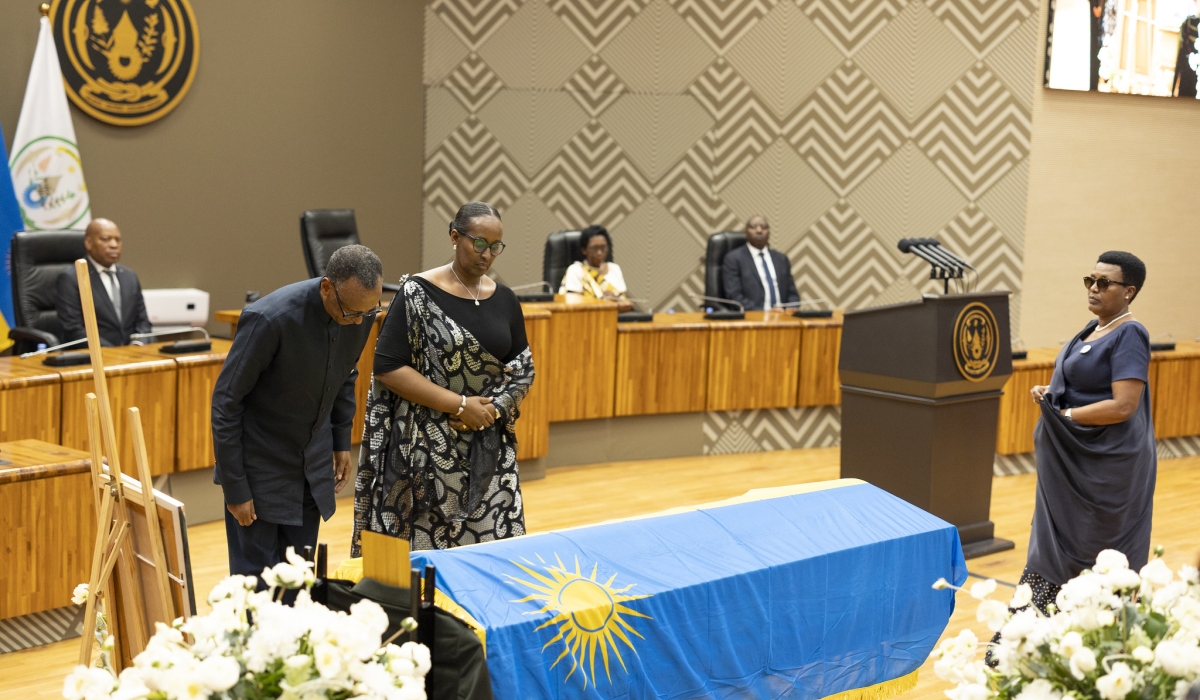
[[969, 691], [370, 615], [1175, 658], [80, 594], [377, 679], [1157, 573], [1070, 643], [220, 673], [1144, 655], [983, 589], [1005, 655], [328, 660], [74, 683], [1105, 618], [1022, 597], [1188, 573], [1083, 662], [1039, 689], [1164, 597], [1125, 579], [992, 612], [132, 687], [1109, 560], [187, 686], [1117, 683], [1020, 625]]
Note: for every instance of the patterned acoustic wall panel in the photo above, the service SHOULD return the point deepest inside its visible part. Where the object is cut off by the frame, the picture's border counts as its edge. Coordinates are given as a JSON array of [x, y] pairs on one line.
[[849, 123]]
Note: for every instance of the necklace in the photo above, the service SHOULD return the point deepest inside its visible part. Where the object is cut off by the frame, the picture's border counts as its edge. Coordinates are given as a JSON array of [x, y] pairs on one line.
[[1118, 318], [475, 294]]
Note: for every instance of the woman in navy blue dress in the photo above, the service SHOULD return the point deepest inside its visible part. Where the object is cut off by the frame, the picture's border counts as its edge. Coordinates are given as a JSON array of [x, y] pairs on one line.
[[1095, 439]]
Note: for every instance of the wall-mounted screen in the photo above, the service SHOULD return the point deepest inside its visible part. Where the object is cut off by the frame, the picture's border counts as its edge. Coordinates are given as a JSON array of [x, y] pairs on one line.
[[1132, 47]]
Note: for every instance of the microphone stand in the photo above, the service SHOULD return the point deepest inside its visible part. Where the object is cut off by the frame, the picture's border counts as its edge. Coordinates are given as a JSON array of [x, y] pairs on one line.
[[60, 346], [722, 314]]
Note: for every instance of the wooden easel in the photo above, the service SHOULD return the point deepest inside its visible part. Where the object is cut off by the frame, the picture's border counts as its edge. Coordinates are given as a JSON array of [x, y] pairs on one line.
[[114, 563]]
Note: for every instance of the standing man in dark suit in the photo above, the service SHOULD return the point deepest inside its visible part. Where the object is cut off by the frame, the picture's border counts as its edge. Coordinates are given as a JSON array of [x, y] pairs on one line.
[[283, 406], [756, 276], [116, 291]]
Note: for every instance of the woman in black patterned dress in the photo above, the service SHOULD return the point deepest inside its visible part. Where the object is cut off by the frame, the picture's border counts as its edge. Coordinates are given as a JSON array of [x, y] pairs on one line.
[[438, 463]]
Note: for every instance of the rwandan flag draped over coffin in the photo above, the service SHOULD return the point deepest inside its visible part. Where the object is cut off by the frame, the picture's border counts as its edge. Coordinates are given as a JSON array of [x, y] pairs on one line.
[[802, 592]]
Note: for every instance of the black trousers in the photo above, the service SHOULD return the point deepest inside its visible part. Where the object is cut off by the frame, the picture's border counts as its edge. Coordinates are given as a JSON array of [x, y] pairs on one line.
[[263, 545]]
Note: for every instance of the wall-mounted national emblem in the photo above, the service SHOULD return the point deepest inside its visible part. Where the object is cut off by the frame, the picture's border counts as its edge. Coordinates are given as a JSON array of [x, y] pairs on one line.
[[976, 341], [126, 62]]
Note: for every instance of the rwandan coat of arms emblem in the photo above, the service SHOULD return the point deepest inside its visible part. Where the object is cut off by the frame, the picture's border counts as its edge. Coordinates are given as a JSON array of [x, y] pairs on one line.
[[126, 62]]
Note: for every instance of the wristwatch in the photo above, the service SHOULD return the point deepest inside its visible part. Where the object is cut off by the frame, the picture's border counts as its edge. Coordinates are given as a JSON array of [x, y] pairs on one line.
[[1068, 415]]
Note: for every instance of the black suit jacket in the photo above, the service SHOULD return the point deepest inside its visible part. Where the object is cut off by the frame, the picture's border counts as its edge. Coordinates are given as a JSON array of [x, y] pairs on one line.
[[112, 332], [739, 276], [284, 401]]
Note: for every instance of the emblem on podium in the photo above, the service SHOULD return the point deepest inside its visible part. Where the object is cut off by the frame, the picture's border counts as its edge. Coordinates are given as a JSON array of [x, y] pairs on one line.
[[976, 341], [126, 63]]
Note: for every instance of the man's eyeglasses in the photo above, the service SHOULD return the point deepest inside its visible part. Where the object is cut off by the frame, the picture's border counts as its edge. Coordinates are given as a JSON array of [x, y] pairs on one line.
[[1101, 283], [355, 314], [481, 245]]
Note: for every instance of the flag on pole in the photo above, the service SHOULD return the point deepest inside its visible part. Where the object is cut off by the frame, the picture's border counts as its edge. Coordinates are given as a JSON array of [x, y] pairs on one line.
[[46, 169], [10, 223]]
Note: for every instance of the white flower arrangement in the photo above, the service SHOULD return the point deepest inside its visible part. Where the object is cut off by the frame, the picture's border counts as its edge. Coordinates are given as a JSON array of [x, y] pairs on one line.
[[1113, 634], [253, 646]]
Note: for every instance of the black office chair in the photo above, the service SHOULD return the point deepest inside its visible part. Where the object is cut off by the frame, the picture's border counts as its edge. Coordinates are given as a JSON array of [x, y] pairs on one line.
[[719, 245], [323, 231], [38, 257], [562, 250]]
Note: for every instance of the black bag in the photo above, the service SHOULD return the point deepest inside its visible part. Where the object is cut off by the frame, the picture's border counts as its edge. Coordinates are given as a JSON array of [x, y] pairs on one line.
[[459, 669]]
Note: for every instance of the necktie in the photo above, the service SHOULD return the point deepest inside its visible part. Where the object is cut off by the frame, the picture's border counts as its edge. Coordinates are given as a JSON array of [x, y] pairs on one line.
[[114, 292], [762, 258]]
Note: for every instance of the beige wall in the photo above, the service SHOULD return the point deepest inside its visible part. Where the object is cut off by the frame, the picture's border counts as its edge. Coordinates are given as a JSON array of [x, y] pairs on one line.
[[849, 128], [296, 105], [1111, 172]]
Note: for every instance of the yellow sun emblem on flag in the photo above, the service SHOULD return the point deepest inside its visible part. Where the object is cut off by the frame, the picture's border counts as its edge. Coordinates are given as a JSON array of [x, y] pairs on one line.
[[588, 614]]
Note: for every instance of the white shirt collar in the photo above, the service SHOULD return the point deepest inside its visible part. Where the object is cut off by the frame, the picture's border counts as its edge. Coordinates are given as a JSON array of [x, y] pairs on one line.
[[759, 251], [101, 268]]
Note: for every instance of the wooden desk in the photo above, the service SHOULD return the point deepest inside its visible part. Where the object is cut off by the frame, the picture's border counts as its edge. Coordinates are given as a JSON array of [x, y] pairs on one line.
[[137, 376], [662, 365], [754, 363], [47, 525], [229, 316], [581, 359], [533, 427], [195, 376], [820, 346], [1175, 389], [30, 400], [1018, 413]]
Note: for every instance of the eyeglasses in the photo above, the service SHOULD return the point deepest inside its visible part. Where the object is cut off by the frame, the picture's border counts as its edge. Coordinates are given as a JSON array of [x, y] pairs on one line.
[[355, 314], [481, 245], [1101, 283], [597, 249]]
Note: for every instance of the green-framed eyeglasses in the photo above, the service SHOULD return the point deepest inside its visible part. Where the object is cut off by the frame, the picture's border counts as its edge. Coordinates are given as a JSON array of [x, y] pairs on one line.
[[480, 244]]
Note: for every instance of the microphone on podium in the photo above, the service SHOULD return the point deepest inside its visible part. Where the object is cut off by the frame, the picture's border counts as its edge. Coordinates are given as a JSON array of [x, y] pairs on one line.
[[944, 264], [719, 314]]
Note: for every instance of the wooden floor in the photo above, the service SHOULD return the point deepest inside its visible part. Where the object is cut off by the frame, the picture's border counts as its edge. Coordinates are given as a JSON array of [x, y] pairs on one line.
[[588, 494]]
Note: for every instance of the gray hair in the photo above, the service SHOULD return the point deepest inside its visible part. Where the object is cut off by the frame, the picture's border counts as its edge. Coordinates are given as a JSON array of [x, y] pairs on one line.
[[471, 210], [355, 261]]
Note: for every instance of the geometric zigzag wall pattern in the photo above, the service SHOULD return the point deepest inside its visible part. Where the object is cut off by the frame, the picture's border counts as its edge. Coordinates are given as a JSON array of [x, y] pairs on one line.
[[849, 123]]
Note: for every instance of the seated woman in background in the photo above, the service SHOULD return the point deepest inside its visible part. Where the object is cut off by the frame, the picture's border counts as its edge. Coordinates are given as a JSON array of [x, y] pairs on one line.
[[594, 277]]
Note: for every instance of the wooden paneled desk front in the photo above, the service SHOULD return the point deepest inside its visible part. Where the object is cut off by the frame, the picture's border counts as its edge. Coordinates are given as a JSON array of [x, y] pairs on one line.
[[47, 525], [30, 400]]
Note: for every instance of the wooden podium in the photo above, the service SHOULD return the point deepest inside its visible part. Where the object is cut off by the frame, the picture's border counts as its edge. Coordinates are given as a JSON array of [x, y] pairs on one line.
[[921, 387]]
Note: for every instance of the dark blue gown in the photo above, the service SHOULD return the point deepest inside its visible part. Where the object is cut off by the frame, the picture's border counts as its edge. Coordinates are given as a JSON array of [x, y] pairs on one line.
[[1095, 487]]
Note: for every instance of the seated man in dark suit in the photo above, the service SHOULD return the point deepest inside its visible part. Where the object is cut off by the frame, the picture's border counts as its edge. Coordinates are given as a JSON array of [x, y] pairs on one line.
[[756, 276], [116, 291]]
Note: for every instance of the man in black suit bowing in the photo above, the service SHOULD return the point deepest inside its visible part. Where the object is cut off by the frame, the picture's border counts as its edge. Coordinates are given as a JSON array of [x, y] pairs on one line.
[[756, 276], [116, 291]]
